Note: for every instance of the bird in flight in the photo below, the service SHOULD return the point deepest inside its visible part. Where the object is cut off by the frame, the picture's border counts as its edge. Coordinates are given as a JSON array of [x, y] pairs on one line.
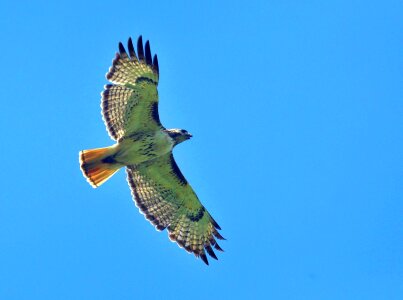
[[159, 189]]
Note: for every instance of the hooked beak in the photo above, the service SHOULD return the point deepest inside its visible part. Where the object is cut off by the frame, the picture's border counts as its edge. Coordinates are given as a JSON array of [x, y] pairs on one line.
[[189, 135]]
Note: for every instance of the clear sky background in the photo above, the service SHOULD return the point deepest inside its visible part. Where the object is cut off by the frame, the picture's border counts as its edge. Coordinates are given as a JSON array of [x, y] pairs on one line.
[[296, 108]]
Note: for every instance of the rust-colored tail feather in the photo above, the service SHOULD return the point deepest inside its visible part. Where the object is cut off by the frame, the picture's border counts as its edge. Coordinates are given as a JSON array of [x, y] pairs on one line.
[[94, 169]]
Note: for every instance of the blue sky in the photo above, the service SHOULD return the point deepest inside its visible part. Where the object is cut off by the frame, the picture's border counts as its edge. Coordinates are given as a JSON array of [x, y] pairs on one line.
[[296, 111]]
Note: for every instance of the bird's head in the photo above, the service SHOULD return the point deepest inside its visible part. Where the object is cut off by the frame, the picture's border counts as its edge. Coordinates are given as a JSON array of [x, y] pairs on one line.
[[178, 135]]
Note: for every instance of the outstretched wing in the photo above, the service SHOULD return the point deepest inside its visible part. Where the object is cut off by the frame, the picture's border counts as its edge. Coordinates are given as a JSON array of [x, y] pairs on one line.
[[166, 199], [130, 104]]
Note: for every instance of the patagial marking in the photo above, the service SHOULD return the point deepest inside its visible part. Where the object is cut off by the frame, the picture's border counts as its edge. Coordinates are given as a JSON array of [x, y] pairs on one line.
[[177, 172], [154, 112]]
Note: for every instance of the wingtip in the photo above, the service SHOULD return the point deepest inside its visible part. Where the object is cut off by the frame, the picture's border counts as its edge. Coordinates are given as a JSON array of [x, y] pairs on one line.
[[140, 48], [204, 258], [155, 64], [217, 247], [122, 50], [147, 49], [131, 50], [211, 252], [218, 235], [215, 224]]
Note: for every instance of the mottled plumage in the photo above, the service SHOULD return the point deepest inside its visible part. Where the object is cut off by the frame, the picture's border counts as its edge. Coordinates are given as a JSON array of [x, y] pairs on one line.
[[159, 189]]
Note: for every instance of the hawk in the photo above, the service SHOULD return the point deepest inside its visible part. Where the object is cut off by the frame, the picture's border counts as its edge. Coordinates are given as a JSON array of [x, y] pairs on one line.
[[159, 189]]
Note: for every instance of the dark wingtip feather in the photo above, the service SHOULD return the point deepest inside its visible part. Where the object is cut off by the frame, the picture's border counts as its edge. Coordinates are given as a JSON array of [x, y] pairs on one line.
[[130, 47], [122, 50], [155, 64], [215, 223], [216, 246], [211, 252], [204, 258], [148, 53], [140, 49], [218, 235]]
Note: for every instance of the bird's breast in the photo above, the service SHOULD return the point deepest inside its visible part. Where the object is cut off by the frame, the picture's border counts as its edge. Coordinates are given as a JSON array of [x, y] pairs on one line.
[[143, 147]]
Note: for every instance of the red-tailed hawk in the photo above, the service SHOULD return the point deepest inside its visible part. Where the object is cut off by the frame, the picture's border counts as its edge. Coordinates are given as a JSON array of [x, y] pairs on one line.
[[144, 147]]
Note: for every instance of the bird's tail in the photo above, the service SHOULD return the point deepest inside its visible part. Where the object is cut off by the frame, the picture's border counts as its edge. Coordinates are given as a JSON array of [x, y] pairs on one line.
[[97, 165]]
